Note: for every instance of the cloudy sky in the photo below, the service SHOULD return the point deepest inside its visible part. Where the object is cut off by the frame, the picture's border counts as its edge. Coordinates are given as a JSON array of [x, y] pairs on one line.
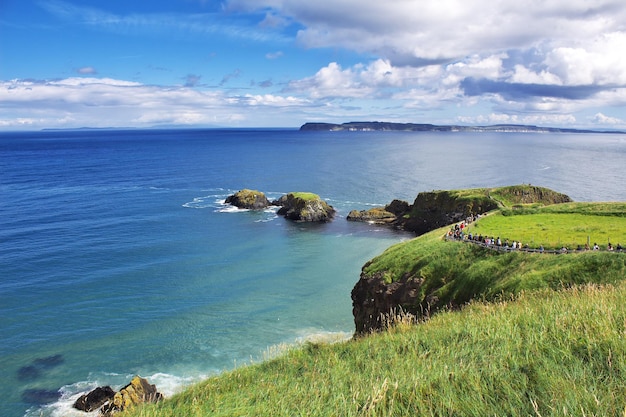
[[281, 63]]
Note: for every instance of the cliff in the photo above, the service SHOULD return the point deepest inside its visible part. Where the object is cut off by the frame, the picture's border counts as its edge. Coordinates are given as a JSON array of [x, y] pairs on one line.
[[428, 274]]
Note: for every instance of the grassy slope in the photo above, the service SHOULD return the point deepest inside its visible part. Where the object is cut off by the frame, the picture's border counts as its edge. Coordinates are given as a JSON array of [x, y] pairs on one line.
[[538, 352], [453, 273], [546, 353]]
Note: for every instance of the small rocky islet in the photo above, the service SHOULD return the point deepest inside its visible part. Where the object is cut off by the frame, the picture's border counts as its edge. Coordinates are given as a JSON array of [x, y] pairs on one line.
[[296, 206]]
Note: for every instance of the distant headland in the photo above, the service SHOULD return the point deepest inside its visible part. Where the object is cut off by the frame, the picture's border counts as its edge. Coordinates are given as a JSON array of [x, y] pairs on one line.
[[425, 127]]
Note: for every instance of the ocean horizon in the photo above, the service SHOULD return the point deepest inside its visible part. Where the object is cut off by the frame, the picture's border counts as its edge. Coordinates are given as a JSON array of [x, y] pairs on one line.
[[118, 255]]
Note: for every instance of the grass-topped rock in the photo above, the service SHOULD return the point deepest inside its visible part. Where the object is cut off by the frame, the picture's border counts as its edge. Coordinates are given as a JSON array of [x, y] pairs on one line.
[[304, 207], [429, 273], [434, 209], [380, 215], [248, 199]]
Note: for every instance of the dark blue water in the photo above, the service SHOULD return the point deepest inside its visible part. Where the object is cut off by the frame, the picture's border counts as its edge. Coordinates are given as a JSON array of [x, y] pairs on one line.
[[117, 256]]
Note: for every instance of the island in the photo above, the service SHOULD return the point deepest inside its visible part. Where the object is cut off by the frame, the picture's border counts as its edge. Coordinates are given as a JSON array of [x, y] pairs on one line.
[[425, 127]]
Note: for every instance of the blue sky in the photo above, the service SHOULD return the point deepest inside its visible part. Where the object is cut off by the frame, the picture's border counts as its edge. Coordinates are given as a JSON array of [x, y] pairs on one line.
[[281, 63]]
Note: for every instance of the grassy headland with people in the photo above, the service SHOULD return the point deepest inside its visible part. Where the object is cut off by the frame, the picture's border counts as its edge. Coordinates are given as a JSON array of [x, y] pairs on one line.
[[483, 332]]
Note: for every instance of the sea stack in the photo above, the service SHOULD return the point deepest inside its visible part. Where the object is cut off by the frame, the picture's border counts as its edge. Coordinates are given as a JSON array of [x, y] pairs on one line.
[[304, 207]]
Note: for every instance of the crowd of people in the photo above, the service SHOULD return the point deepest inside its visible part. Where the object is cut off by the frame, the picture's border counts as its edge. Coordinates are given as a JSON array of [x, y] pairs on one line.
[[460, 231]]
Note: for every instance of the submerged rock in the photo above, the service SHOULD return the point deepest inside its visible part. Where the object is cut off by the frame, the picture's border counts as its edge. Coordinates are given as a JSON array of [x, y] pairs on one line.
[[248, 199], [40, 396], [304, 207], [94, 399], [37, 367]]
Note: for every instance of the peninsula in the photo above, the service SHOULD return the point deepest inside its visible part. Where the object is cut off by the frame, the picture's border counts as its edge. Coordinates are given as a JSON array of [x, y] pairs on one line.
[[424, 127]]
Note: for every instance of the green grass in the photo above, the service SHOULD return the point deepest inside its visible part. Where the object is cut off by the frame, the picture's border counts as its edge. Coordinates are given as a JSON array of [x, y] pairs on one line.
[[540, 354], [305, 196], [559, 225], [454, 273]]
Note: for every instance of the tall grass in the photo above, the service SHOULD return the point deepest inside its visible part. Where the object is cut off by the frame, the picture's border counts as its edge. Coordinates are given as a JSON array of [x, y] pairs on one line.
[[540, 354]]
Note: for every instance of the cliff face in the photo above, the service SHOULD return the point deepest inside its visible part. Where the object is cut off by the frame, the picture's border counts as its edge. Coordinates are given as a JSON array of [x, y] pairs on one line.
[[374, 301], [432, 210]]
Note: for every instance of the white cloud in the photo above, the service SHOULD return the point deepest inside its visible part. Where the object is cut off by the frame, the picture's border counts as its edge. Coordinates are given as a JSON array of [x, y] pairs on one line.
[[600, 118], [87, 70], [534, 119], [103, 102], [274, 55], [406, 31], [598, 61]]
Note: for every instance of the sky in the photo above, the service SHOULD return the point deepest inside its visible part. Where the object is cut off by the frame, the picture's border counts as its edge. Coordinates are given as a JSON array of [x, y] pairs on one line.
[[282, 63]]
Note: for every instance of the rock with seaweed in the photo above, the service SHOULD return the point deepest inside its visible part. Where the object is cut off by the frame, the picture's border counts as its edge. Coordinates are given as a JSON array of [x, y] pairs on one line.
[[138, 391], [248, 199], [304, 207]]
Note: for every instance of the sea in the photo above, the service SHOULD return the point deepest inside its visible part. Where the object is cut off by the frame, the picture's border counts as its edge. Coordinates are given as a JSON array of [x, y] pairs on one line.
[[118, 256]]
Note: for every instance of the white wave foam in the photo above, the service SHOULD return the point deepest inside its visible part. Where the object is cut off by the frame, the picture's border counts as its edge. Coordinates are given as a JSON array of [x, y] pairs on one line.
[[227, 208]]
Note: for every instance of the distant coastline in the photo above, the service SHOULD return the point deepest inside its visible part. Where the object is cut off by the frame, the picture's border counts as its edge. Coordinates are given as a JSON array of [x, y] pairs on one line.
[[424, 127]]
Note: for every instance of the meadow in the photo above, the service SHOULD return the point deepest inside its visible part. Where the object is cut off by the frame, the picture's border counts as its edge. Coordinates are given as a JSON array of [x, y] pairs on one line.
[[553, 227]]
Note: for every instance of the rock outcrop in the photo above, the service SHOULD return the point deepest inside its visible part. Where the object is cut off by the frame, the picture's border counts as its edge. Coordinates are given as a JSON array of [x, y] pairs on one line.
[[138, 391], [304, 207], [94, 399], [375, 302], [381, 215], [248, 199]]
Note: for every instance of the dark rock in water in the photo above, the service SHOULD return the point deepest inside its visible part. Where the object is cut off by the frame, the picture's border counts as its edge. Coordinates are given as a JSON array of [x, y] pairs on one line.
[[138, 391], [381, 215], [94, 399], [40, 396], [376, 215], [304, 207], [28, 373], [248, 199]]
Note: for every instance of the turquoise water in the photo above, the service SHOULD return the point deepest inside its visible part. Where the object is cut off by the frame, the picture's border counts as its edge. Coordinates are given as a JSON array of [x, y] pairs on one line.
[[118, 256]]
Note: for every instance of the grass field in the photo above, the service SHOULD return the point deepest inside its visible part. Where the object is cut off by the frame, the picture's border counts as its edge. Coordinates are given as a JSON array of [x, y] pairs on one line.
[[556, 226]]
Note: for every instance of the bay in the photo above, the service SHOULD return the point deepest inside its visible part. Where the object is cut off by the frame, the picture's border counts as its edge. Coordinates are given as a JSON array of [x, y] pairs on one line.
[[118, 256]]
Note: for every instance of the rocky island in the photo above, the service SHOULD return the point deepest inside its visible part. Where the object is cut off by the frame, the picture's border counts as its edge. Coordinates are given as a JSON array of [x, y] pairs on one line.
[[297, 206]]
